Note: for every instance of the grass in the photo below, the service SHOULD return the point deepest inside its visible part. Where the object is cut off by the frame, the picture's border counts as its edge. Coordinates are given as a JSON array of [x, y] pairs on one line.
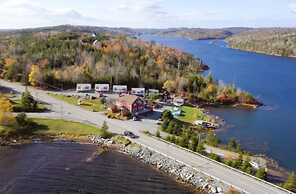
[[62, 128], [58, 128], [17, 107], [92, 105], [191, 114]]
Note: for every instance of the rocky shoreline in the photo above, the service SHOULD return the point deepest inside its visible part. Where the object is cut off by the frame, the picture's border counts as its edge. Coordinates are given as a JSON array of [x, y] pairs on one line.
[[174, 168]]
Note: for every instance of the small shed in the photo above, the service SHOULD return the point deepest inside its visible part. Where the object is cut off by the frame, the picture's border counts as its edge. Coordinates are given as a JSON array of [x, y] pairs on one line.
[[102, 87], [120, 88], [83, 87]]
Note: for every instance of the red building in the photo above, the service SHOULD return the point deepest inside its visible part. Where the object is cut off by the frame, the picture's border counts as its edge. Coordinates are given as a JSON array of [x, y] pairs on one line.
[[133, 103]]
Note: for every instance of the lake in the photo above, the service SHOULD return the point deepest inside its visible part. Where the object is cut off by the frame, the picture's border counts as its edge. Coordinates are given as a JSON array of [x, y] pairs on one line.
[[74, 169], [271, 129]]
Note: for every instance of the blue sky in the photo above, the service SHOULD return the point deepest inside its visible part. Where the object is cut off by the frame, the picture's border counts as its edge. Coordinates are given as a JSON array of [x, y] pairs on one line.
[[148, 13]]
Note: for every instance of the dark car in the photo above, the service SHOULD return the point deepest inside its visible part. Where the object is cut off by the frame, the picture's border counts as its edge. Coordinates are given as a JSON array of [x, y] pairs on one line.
[[129, 134]]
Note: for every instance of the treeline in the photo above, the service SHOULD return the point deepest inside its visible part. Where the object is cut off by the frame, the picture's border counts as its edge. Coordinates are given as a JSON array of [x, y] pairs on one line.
[[281, 42], [62, 58]]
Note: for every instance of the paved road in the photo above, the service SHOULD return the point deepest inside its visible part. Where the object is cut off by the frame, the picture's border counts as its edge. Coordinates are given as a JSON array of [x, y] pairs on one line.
[[66, 111]]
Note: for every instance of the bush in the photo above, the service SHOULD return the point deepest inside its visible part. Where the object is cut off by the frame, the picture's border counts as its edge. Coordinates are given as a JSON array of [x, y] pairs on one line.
[[261, 173], [215, 157], [290, 183], [157, 133]]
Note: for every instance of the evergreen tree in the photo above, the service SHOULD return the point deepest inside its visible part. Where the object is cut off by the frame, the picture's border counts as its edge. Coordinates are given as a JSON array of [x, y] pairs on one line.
[[27, 102]]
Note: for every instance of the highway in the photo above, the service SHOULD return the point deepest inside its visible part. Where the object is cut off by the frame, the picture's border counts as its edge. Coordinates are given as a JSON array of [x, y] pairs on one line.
[[60, 109]]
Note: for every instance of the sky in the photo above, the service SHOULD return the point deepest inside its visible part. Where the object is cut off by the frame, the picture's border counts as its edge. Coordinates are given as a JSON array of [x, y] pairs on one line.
[[148, 13]]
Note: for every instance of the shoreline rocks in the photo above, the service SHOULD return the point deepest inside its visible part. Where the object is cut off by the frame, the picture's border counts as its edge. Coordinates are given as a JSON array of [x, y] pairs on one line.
[[180, 171]]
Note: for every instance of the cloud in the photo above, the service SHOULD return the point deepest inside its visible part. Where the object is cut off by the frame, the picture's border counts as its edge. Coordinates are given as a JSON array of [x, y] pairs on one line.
[[24, 13], [292, 7]]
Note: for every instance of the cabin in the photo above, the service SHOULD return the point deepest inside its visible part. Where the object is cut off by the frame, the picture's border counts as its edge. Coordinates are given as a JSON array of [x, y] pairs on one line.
[[83, 87], [134, 104], [153, 92], [120, 89], [100, 88], [138, 91]]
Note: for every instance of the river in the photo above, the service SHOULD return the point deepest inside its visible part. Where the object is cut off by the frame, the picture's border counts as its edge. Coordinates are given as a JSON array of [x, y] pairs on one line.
[[271, 129], [74, 169]]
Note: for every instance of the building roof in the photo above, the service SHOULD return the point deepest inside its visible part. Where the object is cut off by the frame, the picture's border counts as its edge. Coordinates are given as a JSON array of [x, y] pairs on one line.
[[130, 99]]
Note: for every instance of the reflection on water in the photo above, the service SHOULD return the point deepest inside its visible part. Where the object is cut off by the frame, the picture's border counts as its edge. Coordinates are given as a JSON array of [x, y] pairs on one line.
[[72, 168]]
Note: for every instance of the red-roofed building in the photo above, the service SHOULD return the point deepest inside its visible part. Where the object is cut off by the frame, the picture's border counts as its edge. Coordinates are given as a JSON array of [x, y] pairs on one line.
[[135, 104]]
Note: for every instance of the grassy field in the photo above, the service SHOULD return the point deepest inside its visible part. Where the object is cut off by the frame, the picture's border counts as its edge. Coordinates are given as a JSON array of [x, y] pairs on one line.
[[191, 114], [92, 105], [57, 127]]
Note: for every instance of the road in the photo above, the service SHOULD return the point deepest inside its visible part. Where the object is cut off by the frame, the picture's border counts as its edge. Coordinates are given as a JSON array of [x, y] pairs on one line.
[[63, 110]]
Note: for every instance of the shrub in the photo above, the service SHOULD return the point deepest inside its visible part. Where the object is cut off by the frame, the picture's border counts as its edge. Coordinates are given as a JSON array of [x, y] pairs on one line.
[[261, 173], [157, 133]]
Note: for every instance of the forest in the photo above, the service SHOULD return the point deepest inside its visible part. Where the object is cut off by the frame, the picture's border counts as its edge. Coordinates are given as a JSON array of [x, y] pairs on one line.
[[60, 59], [70, 58], [274, 41]]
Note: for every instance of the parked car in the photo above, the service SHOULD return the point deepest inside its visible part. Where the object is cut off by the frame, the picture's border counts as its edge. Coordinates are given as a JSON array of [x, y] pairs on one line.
[[129, 134], [136, 118]]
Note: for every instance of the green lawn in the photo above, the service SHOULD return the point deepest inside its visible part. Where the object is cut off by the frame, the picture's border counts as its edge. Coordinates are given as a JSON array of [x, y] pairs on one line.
[[191, 114], [92, 105], [59, 127], [17, 107]]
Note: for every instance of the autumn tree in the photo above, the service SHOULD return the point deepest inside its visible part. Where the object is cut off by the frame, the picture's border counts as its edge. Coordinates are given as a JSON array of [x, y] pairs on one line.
[[6, 116], [35, 76]]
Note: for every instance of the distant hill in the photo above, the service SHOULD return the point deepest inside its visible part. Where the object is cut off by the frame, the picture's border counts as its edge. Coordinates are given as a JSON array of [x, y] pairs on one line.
[[271, 41], [200, 33]]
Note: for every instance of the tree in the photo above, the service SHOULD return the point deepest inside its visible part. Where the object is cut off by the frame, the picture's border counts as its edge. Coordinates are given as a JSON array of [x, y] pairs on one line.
[[35, 75], [23, 124], [169, 85], [104, 130], [290, 183], [193, 143], [167, 115], [200, 148], [261, 173], [27, 102], [233, 145], [6, 116]]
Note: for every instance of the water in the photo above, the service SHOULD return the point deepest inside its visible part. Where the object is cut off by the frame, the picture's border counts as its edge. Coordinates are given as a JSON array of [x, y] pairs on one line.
[[271, 129], [73, 169]]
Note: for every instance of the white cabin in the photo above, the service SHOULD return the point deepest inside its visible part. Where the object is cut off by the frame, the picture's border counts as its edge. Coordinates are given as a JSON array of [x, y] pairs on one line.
[[120, 88], [153, 92], [138, 91], [102, 87], [83, 87]]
